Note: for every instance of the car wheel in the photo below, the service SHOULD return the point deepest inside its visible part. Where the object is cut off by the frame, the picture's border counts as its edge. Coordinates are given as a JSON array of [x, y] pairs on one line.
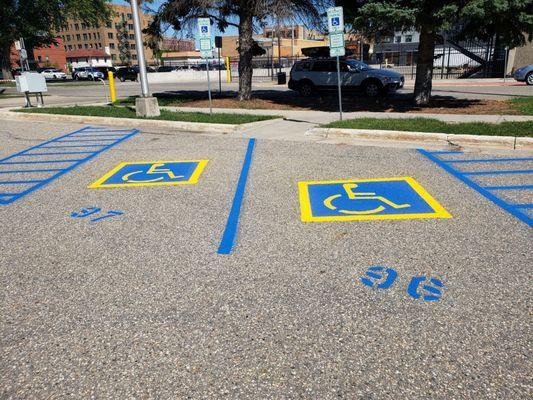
[[372, 89], [306, 89], [529, 79], [121, 79]]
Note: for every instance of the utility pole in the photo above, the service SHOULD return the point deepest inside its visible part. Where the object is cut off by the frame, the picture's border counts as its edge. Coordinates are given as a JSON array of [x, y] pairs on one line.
[[146, 105]]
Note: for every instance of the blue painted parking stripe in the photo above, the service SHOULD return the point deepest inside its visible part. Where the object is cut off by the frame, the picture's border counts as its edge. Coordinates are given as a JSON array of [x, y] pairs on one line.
[[86, 140], [58, 154], [489, 160], [20, 182], [7, 198], [484, 192], [510, 187], [522, 205], [513, 171], [447, 152], [228, 238], [70, 145]]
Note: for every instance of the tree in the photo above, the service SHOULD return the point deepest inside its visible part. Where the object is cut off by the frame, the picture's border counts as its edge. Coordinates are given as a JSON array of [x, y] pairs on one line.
[[37, 20], [242, 14], [482, 19]]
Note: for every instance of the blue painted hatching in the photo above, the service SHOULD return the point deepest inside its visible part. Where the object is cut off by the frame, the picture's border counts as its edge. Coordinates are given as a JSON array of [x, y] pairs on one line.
[[40, 151], [491, 192]]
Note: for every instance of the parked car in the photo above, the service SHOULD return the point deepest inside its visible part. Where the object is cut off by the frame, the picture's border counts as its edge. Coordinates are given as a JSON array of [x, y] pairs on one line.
[[127, 74], [105, 71], [524, 74], [53, 73], [165, 68], [320, 74], [90, 73]]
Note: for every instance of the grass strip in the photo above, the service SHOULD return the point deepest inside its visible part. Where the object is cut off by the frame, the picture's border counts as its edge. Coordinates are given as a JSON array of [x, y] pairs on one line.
[[508, 128], [128, 112], [522, 104], [175, 100]]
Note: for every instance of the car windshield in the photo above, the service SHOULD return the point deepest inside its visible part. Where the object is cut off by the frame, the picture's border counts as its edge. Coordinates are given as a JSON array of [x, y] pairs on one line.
[[359, 65]]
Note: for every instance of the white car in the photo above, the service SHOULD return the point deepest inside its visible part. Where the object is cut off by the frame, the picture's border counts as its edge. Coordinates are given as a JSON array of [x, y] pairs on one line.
[[53, 73]]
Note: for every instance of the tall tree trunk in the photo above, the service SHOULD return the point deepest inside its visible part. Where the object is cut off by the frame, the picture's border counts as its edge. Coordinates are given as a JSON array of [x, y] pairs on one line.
[[5, 59], [246, 46], [424, 66]]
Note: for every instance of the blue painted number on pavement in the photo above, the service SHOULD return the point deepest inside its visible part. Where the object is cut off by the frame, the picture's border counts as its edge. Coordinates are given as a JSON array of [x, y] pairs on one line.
[[424, 288], [87, 211], [379, 277]]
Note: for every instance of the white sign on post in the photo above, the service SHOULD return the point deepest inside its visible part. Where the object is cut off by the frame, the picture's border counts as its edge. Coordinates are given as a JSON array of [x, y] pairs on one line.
[[206, 50]]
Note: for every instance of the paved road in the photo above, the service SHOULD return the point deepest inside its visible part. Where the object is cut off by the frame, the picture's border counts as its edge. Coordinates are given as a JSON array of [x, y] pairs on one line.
[[140, 305], [80, 93]]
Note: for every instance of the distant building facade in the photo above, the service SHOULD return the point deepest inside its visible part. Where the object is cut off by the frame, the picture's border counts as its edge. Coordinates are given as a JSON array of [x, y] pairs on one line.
[[48, 56], [78, 36]]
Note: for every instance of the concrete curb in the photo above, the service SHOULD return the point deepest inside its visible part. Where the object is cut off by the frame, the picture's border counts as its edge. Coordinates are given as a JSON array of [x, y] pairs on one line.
[[196, 127], [508, 142]]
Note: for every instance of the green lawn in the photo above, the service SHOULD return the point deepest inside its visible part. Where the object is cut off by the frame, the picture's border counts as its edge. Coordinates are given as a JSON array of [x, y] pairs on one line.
[[434, 125], [127, 112], [522, 104]]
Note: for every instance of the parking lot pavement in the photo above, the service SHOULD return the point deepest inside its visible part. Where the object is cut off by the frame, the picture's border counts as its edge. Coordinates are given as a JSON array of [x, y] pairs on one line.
[[140, 304]]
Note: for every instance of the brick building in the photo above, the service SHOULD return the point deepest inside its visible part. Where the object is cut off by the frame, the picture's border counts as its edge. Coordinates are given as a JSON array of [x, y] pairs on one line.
[[52, 56], [77, 36]]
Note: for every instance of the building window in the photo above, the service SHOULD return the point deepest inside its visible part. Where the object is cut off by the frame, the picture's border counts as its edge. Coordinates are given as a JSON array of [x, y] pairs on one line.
[[398, 39], [84, 36], [78, 36], [132, 46], [111, 45], [77, 27], [130, 27], [113, 57], [110, 35], [98, 35], [68, 38], [39, 58], [83, 25], [132, 36], [130, 16], [134, 56], [70, 47], [408, 38], [108, 25], [86, 46], [91, 46], [80, 46], [47, 58]]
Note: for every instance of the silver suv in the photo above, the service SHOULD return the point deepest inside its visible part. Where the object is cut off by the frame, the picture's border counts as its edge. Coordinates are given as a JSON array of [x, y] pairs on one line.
[[319, 74]]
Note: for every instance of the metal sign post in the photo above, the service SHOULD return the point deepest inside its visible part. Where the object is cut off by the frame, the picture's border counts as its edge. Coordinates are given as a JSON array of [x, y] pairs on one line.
[[206, 51], [336, 44]]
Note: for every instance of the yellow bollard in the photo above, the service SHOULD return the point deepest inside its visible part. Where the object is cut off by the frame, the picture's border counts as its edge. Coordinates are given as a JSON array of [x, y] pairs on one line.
[[228, 71], [112, 87]]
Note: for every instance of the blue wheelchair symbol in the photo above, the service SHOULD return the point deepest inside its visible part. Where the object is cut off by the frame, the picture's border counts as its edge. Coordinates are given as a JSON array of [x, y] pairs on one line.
[[204, 29], [335, 21], [421, 288], [379, 277]]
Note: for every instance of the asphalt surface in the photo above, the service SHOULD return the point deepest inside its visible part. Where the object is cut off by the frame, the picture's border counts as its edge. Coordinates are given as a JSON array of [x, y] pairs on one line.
[[141, 305]]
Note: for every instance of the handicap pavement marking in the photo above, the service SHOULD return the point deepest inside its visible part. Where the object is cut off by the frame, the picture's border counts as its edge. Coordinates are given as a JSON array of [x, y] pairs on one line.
[[152, 173], [34, 168], [367, 199], [491, 192]]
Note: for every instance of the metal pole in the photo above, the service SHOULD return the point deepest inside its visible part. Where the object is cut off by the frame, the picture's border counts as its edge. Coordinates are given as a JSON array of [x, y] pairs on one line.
[[219, 74], [339, 87], [145, 91], [443, 57], [505, 64], [208, 86]]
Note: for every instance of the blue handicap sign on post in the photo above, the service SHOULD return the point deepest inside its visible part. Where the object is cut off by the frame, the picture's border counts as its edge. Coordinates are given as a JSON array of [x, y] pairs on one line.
[[204, 29], [152, 174], [335, 21], [367, 199]]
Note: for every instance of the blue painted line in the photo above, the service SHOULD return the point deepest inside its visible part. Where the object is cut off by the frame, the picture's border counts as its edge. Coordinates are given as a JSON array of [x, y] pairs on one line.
[[86, 140], [39, 162], [67, 146], [447, 152], [20, 182], [496, 200], [57, 154], [19, 171], [58, 172], [514, 171], [510, 187], [522, 205], [490, 160], [228, 238]]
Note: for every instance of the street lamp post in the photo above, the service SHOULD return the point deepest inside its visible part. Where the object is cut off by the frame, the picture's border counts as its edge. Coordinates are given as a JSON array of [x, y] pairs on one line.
[[146, 105]]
